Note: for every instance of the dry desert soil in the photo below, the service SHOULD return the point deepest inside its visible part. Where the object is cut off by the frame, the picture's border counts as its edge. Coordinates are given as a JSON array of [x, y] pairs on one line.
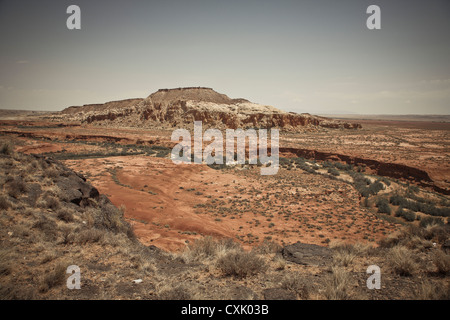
[[341, 201]]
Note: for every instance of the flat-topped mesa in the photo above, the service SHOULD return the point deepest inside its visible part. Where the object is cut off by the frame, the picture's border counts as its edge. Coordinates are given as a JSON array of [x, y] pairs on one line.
[[203, 94], [180, 107]]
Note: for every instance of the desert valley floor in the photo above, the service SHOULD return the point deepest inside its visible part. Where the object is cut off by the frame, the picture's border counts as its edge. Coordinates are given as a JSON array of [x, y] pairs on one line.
[[334, 185]]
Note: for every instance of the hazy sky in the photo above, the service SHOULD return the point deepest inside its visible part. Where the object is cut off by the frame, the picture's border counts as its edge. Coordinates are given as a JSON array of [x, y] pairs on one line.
[[313, 56]]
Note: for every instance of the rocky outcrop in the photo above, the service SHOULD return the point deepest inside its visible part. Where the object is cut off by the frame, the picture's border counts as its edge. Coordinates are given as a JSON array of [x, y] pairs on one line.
[[183, 106], [73, 186], [307, 254]]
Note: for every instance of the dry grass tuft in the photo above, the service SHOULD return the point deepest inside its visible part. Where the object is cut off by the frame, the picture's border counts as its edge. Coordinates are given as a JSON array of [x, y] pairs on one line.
[[433, 291], [442, 262], [207, 249], [338, 284], [55, 278], [402, 261], [241, 264], [294, 282]]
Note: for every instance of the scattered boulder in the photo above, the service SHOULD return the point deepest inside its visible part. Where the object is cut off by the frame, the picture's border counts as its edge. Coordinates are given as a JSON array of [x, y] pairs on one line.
[[307, 254], [75, 190]]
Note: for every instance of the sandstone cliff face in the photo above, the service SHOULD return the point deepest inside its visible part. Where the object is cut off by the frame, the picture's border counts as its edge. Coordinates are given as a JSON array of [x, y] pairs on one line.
[[182, 106]]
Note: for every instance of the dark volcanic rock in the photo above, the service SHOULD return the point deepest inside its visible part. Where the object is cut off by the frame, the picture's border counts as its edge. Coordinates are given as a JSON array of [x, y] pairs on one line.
[[74, 189], [307, 254]]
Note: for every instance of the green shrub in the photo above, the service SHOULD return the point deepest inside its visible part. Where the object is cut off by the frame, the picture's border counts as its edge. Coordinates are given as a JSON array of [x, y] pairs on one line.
[[334, 172], [375, 187], [426, 221], [405, 214], [383, 206]]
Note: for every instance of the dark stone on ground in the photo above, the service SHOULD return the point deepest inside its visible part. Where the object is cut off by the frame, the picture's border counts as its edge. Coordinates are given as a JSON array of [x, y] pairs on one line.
[[307, 254]]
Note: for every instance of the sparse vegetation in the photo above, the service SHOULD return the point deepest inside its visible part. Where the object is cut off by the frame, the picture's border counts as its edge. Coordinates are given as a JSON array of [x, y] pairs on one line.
[[402, 261], [295, 283], [442, 262], [338, 284], [241, 264], [318, 204], [6, 148], [4, 202], [54, 278], [383, 206]]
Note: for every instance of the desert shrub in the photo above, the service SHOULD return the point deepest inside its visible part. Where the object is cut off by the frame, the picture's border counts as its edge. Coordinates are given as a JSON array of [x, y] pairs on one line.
[[343, 166], [442, 262], [361, 184], [5, 262], [401, 260], [295, 283], [54, 278], [280, 262], [268, 246], [437, 233], [405, 214], [47, 226], [179, 292], [16, 187], [51, 202], [433, 291], [343, 258], [108, 217], [241, 264], [426, 221], [386, 181], [325, 164], [162, 151], [65, 215], [337, 284], [398, 200], [92, 235], [375, 187], [333, 171], [10, 291], [413, 205], [409, 216], [4, 202], [383, 206], [6, 148], [208, 248], [416, 237]]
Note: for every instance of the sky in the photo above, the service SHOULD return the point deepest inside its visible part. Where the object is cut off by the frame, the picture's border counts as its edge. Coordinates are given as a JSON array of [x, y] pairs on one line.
[[315, 56]]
